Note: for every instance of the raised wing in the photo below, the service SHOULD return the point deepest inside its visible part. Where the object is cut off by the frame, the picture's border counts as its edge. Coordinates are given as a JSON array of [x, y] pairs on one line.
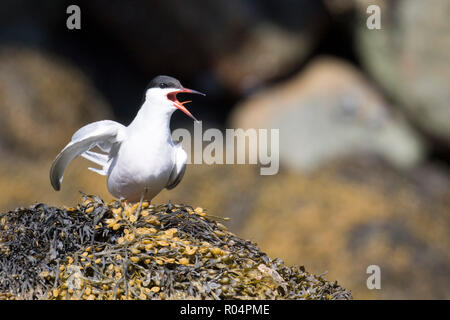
[[104, 134], [179, 168]]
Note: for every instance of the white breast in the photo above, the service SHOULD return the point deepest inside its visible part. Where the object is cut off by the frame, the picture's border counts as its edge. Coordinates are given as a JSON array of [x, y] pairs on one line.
[[144, 161]]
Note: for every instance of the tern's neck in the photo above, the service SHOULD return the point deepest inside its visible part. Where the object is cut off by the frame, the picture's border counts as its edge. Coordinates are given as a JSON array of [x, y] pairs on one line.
[[153, 118]]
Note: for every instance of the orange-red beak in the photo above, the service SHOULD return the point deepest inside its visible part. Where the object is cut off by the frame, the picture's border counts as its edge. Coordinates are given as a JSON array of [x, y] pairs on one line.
[[172, 96]]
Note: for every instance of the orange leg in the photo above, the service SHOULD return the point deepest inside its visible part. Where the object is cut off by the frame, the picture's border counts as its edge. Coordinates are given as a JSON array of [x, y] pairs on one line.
[[140, 202]]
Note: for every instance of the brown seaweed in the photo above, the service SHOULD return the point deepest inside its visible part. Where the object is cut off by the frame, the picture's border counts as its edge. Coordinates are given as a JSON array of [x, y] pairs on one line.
[[111, 251]]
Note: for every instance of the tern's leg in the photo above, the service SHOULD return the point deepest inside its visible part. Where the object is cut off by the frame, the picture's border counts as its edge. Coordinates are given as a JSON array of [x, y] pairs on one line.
[[138, 212], [123, 201]]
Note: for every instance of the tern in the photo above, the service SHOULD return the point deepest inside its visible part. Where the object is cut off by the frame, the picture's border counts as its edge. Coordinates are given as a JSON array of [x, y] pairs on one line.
[[139, 160]]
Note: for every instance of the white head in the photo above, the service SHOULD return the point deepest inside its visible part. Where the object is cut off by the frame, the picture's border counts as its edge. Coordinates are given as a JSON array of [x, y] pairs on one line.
[[162, 91]]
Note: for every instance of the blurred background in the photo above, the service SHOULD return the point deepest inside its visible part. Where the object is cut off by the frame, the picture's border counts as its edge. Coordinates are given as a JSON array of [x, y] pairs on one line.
[[364, 120]]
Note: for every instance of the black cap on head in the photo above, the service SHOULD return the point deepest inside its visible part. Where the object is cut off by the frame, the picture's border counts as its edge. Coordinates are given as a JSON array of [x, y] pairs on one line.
[[164, 82]]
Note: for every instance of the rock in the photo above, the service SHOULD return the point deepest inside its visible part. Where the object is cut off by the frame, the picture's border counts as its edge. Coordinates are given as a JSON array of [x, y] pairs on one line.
[[268, 51], [410, 59], [25, 179], [43, 101], [241, 44], [342, 218], [115, 251], [330, 111]]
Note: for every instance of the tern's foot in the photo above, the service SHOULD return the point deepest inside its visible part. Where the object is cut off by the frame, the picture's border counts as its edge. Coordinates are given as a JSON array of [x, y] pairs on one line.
[[169, 206]]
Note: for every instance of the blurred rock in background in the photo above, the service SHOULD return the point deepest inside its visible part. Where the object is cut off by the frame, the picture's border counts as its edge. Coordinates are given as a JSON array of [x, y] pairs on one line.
[[245, 43], [363, 118], [43, 101], [328, 111], [410, 59]]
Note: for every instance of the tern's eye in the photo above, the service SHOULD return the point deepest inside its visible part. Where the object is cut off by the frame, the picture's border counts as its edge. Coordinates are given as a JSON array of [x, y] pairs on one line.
[[163, 85]]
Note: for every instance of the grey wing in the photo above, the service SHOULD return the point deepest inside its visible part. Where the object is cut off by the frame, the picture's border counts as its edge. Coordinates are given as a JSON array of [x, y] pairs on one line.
[[103, 134], [178, 169]]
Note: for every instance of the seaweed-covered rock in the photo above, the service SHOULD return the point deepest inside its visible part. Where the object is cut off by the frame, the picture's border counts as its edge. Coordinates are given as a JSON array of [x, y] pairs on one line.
[[127, 251]]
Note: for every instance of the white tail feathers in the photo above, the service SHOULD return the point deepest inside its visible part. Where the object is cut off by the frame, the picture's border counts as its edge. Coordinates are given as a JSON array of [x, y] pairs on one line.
[[100, 159]]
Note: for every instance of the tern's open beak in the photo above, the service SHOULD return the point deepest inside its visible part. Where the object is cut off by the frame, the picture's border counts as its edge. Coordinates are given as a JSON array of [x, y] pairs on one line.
[[172, 96]]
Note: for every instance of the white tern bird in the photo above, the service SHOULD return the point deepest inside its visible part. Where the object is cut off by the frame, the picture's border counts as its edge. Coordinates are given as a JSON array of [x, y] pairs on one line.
[[139, 160]]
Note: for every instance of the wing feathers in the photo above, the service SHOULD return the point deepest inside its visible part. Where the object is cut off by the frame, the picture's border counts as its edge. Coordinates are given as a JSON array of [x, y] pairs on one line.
[[105, 132], [98, 158], [102, 172], [179, 168]]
